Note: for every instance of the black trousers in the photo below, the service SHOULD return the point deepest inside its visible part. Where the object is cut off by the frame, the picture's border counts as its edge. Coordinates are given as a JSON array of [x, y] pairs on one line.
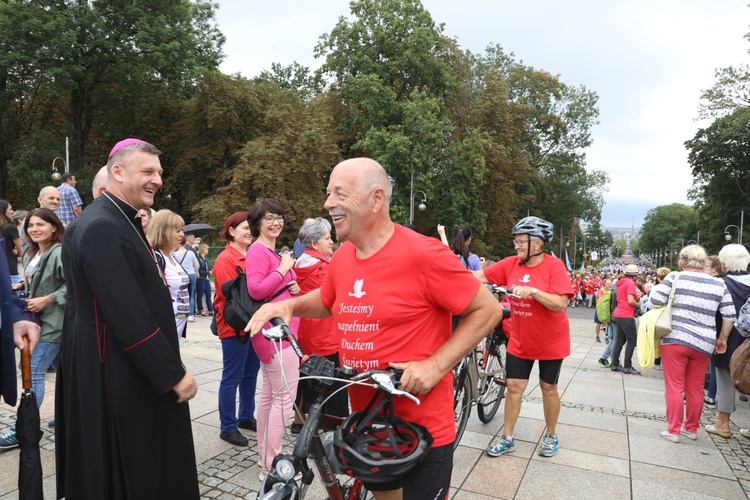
[[627, 333]]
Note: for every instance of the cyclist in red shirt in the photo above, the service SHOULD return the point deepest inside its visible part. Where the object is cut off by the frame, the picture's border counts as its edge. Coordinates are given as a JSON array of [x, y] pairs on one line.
[[540, 328], [393, 306]]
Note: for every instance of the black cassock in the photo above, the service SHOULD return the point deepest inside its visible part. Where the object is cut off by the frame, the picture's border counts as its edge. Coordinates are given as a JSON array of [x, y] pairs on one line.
[[120, 432]]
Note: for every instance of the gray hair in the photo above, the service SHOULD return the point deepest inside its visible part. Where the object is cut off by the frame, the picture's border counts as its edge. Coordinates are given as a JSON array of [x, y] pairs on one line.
[[693, 256], [122, 155], [313, 231], [734, 257]]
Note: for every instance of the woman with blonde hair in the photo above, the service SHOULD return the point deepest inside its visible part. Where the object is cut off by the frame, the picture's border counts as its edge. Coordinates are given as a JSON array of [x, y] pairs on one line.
[[687, 349], [165, 235]]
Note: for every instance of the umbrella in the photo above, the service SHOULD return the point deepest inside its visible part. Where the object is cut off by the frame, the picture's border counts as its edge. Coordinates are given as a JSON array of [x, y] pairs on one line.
[[198, 229], [29, 434]]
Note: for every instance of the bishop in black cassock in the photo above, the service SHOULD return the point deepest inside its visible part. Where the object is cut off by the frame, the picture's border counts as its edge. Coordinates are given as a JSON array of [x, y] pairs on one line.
[[123, 427]]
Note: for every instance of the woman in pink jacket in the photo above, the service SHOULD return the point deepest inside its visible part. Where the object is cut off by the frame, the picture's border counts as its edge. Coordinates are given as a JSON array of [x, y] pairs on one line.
[[267, 274]]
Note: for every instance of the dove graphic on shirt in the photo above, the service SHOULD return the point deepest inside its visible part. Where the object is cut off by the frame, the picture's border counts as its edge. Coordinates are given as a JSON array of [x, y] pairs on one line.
[[358, 293], [526, 278]]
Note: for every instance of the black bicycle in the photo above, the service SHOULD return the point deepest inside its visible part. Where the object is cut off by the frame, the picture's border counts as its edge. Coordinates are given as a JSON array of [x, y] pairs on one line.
[[315, 440], [480, 377]]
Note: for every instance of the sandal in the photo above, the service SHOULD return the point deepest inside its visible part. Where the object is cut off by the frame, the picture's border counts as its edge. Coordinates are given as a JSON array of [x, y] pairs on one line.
[[745, 432], [711, 429]]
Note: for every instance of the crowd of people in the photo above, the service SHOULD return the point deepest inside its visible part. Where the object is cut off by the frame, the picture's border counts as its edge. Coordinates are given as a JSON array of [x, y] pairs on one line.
[[113, 287]]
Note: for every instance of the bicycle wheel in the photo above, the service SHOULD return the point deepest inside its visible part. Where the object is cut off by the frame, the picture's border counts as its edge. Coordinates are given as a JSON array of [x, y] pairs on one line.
[[461, 402], [492, 389]]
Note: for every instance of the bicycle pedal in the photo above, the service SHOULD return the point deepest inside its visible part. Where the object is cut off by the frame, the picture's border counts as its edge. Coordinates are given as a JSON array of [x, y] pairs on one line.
[[500, 381]]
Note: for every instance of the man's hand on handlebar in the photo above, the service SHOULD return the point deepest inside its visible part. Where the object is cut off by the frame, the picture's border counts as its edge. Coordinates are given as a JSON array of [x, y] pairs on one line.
[[267, 311], [419, 377]]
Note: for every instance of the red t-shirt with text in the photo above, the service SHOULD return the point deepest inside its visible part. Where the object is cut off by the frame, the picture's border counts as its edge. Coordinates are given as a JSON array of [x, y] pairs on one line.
[[396, 306], [536, 332]]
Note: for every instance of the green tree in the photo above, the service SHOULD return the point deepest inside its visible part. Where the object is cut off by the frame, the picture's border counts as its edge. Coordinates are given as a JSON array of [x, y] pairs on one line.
[[99, 53], [393, 71], [720, 165], [667, 225], [289, 157]]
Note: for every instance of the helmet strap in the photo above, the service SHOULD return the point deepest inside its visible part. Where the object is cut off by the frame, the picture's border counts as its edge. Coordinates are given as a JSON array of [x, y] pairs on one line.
[[529, 255], [384, 403]]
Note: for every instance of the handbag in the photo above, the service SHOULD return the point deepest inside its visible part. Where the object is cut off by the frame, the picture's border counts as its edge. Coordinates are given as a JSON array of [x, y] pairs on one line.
[[739, 368], [240, 306], [663, 325], [29, 315]]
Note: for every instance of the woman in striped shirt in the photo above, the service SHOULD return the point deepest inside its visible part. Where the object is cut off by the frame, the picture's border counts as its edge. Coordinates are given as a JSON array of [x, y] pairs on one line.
[[686, 351]]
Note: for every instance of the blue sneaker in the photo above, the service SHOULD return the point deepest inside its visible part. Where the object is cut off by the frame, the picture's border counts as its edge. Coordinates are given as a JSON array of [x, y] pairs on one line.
[[9, 440], [500, 445], [549, 446]]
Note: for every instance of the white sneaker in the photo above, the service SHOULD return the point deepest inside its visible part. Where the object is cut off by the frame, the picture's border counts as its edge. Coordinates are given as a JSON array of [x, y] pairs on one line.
[[670, 437], [690, 435], [191, 319]]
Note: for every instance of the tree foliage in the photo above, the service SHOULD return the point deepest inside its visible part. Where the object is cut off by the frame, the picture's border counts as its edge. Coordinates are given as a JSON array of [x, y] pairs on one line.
[[667, 225], [486, 138]]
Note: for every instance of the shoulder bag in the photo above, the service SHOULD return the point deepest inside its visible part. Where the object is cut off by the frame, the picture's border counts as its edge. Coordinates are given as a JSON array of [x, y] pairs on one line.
[[663, 326], [240, 306]]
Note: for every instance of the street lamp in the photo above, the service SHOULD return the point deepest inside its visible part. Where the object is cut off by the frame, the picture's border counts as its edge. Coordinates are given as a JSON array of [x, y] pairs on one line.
[[562, 240], [422, 206], [728, 236], [56, 176]]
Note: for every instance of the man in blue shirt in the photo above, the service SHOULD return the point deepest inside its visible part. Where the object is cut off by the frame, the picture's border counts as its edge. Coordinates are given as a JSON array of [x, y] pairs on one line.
[[70, 200]]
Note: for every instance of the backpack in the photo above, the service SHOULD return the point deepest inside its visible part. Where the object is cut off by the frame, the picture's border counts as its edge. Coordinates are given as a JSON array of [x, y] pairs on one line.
[[604, 307], [743, 320], [240, 306]]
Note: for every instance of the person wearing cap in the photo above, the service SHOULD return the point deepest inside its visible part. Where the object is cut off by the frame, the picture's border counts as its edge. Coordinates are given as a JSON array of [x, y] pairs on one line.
[[123, 426], [628, 300], [70, 200], [540, 330]]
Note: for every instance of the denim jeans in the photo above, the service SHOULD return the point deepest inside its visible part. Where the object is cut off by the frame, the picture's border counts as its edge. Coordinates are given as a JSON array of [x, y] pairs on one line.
[[611, 346], [204, 291], [193, 279], [241, 366], [41, 359], [712, 382]]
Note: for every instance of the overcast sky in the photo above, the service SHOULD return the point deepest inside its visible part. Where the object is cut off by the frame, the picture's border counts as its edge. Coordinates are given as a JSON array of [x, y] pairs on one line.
[[647, 60]]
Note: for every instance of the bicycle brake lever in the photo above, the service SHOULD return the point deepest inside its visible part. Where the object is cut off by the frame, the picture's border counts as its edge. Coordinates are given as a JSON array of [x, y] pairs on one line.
[[275, 333], [384, 382]]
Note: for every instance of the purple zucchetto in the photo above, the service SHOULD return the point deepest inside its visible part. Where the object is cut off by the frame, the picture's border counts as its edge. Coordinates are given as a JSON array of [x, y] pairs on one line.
[[124, 143]]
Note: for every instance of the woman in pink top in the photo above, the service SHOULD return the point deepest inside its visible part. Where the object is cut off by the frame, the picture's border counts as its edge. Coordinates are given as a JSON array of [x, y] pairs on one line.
[[624, 315], [267, 274]]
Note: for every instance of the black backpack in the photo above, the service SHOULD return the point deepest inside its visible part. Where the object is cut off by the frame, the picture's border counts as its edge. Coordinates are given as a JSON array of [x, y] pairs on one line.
[[240, 306]]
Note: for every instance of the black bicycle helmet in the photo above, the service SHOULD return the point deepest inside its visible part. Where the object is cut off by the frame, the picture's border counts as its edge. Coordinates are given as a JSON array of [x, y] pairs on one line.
[[535, 227], [379, 448]]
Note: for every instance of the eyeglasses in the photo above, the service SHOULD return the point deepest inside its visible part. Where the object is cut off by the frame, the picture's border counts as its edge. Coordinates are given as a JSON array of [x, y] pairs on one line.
[[518, 243], [271, 218]]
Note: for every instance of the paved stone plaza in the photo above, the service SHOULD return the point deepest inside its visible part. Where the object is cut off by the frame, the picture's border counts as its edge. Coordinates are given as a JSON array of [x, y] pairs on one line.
[[609, 440]]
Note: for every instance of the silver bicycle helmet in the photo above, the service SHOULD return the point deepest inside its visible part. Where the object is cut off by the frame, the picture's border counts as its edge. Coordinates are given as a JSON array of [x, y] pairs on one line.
[[535, 227]]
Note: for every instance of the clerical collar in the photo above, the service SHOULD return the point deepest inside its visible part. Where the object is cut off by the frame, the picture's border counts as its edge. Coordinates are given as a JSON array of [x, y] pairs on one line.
[[127, 209]]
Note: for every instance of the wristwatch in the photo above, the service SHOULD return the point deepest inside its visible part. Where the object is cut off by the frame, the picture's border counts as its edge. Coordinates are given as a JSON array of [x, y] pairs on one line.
[[534, 291]]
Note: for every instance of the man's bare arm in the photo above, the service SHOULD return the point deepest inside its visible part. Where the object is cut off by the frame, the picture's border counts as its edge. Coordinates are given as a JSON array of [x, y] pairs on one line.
[[306, 306]]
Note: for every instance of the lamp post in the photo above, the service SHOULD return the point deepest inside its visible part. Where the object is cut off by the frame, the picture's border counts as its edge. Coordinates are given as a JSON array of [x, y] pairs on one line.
[[728, 236], [562, 240], [421, 206]]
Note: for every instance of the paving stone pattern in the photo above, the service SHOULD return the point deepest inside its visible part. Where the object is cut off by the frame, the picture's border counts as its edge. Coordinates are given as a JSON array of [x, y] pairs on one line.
[[632, 403]]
